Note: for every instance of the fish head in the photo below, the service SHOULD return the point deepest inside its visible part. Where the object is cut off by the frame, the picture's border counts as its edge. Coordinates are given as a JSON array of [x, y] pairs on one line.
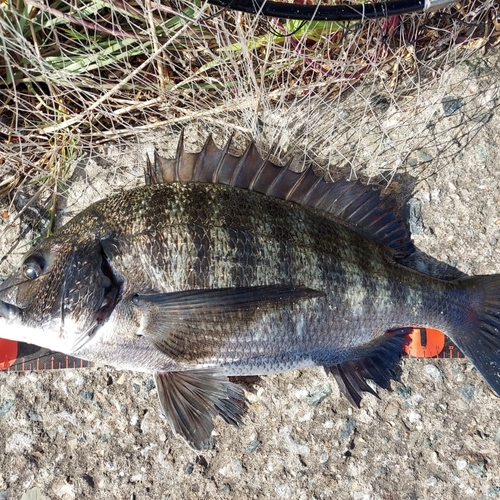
[[63, 290]]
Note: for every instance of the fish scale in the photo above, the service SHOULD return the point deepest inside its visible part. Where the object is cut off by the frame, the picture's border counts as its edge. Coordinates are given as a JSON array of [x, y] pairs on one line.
[[227, 265], [317, 252]]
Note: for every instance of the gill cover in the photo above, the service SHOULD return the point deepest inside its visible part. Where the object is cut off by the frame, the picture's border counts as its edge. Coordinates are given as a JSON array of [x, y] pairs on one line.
[[63, 288]]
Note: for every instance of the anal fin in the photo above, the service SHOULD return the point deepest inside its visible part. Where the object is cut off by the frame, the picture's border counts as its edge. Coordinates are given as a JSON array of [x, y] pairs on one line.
[[380, 364], [190, 401]]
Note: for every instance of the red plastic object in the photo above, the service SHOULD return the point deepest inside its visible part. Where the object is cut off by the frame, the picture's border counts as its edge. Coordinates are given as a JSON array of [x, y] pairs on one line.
[[8, 353], [425, 343]]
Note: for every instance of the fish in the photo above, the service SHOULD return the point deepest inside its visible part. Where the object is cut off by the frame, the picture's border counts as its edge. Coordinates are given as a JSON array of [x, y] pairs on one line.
[[222, 266]]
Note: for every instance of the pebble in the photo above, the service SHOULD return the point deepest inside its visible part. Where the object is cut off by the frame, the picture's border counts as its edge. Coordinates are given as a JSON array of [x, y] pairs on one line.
[[6, 406], [404, 391], [347, 429], [87, 395], [414, 417], [34, 417], [413, 213], [33, 494], [434, 373], [283, 490], [467, 392], [234, 469], [64, 490], [497, 437], [451, 104], [494, 491], [478, 469], [292, 445], [252, 446], [318, 394]]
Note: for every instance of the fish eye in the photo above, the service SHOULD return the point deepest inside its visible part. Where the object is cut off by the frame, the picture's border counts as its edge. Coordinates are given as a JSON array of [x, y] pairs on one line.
[[33, 266]]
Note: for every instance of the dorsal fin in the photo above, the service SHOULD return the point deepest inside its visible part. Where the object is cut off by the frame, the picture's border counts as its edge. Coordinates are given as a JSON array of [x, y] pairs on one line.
[[350, 202]]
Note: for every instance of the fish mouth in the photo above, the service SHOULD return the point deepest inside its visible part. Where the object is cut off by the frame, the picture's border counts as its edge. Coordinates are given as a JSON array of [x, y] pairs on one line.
[[112, 292], [111, 297], [9, 311]]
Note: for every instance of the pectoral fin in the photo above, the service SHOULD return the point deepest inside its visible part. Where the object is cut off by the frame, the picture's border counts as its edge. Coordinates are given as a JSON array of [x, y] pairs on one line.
[[197, 325], [191, 400]]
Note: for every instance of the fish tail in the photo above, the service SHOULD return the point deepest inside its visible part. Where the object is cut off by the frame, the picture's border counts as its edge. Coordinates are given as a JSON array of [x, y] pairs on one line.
[[478, 337]]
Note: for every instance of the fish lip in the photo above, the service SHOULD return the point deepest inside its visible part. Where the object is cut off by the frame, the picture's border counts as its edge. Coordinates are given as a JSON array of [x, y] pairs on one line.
[[9, 311], [112, 295]]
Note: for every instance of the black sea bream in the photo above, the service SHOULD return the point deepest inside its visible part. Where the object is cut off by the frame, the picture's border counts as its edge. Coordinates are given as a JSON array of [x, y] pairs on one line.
[[227, 265]]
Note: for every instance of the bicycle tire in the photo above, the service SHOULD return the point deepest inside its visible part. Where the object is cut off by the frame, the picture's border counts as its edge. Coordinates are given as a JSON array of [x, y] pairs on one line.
[[320, 12]]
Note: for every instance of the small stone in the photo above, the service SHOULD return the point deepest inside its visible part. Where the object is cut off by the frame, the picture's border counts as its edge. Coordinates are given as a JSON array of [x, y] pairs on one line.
[[188, 468], [34, 417], [19, 442], [426, 196], [424, 157], [87, 395], [413, 214], [348, 429], [301, 393], [63, 490], [414, 417], [404, 391], [415, 438], [478, 469], [149, 385], [233, 469], [6, 406], [291, 444], [380, 102], [226, 488], [434, 373], [252, 446], [451, 104], [431, 481], [283, 490], [68, 417], [33, 494], [318, 394], [497, 437], [467, 392], [359, 495], [494, 491]]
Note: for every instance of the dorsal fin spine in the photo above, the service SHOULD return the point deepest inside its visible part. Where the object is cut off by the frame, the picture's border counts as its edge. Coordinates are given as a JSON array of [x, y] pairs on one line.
[[198, 165], [178, 157], [302, 176], [241, 164], [278, 178], [258, 173], [215, 176], [305, 199], [334, 201]]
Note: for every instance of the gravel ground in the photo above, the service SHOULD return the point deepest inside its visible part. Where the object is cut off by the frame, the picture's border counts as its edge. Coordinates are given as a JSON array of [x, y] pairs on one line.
[[97, 433]]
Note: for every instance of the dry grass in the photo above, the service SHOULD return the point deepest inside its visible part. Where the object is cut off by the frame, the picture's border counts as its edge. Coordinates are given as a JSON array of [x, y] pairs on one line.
[[75, 74]]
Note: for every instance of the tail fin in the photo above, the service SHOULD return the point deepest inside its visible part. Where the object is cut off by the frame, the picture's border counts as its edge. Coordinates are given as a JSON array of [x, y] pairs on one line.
[[482, 344]]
